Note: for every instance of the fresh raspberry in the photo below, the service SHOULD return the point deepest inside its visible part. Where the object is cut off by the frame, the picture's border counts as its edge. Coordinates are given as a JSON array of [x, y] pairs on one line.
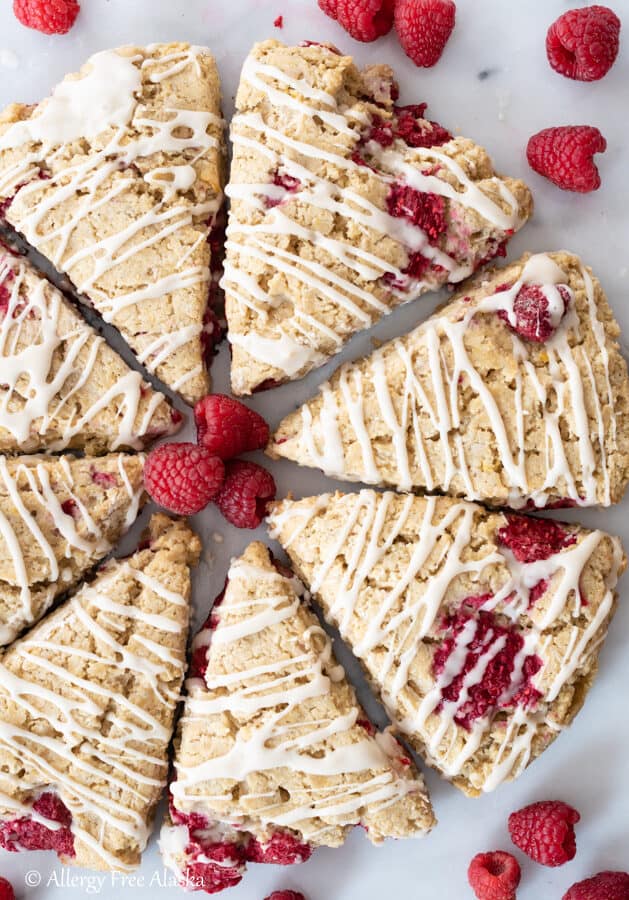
[[423, 27], [604, 886], [501, 686], [279, 22], [494, 876], [583, 43], [533, 539], [280, 895], [183, 477], [246, 494], [564, 155], [530, 308], [364, 20], [545, 832], [427, 211], [6, 890], [281, 850], [48, 16], [228, 428]]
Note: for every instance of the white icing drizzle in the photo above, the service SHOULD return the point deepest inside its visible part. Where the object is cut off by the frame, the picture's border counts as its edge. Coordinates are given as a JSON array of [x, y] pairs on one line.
[[273, 738], [410, 611], [38, 390], [430, 400], [135, 739], [93, 545], [104, 103], [257, 244]]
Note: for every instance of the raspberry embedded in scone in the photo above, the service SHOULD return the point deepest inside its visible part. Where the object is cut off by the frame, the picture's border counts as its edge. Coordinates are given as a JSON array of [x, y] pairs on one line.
[[514, 393], [343, 206], [61, 385], [482, 636], [274, 756], [116, 179], [87, 707], [60, 517]]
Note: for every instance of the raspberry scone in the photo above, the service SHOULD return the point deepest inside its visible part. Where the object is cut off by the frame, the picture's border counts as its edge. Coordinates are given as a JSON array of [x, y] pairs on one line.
[[59, 516], [274, 756], [481, 630], [87, 705], [343, 206], [60, 384], [116, 179], [515, 393]]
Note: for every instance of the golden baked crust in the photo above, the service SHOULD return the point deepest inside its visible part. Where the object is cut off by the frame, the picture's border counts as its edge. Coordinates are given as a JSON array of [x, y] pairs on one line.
[[315, 251], [61, 386], [273, 739], [465, 405], [88, 698], [116, 179], [440, 598], [59, 517]]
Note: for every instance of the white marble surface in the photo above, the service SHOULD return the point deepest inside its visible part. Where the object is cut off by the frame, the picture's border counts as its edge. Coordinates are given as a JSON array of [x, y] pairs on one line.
[[517, 95]]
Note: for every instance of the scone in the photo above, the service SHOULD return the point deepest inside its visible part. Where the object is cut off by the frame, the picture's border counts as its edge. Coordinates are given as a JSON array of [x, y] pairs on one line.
[[514, 393], [274, 756], [480, 630], [61, 385], [59, 516], [343, 206], [87, 705], [116, 179]]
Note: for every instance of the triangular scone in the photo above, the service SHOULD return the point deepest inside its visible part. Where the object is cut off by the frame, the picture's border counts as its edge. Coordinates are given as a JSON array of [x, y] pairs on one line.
[[515, 393], [274, 755], [481, 630], [87, 705], [116, 179], [344, 206], [60, 384], [59, 516]]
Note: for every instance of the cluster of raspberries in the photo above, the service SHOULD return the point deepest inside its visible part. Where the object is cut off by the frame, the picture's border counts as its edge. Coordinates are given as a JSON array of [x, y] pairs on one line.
[[185, 477], [582, 44], [544, 831]]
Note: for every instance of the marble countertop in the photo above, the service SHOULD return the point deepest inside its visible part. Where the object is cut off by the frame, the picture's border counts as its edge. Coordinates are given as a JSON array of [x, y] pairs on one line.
[[493, 84]]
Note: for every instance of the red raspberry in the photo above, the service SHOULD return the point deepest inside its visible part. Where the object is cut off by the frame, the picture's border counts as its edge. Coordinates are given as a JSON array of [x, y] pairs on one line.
[[279, 22], [494, 876], [183, 477], [564, 155], [604, 886], [48, 16], [500, 686], [583, 43], [533, 539], [427, 211], [545, 832], [246, 494], [227, 427], [281, 895], [531, 312], [283, 849], [51, 806], [6, 890], [423, 27], [364, 20]]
